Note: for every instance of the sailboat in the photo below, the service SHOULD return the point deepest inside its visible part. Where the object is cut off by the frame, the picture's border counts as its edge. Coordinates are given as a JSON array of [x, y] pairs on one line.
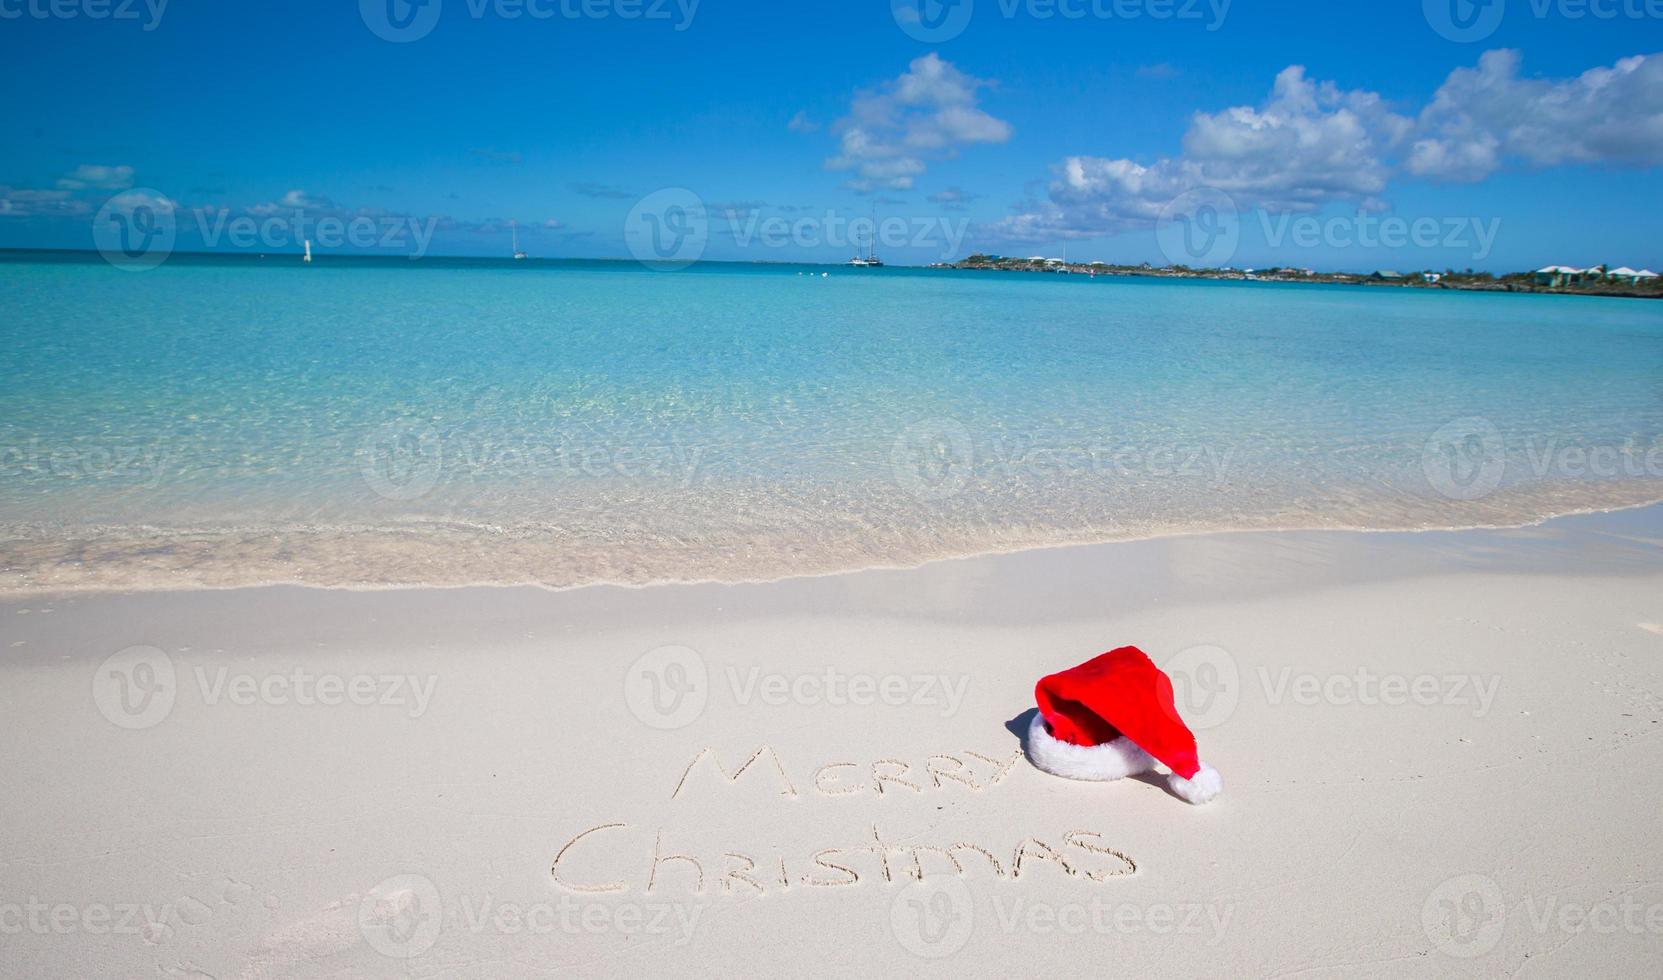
[[518, 255], [871, 261], [307, 259]]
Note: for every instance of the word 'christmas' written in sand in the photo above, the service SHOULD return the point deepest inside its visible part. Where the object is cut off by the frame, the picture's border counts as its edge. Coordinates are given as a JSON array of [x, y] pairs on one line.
[[1081, 854]]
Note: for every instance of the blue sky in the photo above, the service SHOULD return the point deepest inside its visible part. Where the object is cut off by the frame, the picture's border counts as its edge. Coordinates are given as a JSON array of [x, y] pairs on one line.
[[1026, 129]]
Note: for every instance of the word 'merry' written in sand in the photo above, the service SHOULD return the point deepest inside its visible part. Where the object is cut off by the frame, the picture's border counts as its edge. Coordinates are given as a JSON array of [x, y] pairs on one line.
[[861, 858], [971, 769]]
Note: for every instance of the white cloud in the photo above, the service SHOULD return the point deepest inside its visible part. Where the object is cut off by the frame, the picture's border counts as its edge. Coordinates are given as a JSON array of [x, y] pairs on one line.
[[1308, 144], [801, 123], [928, 113], [954, 198], [303, 200], [299, 200], [98, 177], [129, 201], [1312, 143], [21, 202], [1485, 116]]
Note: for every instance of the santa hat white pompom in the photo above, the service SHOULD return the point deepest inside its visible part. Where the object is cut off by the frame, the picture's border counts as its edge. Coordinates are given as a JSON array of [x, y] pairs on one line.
[[1201, 789]]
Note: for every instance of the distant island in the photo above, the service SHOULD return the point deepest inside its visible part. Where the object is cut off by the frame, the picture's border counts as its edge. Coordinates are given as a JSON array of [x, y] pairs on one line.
[[1597, 280]]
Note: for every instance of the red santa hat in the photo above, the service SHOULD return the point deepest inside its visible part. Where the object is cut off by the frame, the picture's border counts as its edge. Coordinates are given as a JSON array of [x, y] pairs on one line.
[[1113, 716]]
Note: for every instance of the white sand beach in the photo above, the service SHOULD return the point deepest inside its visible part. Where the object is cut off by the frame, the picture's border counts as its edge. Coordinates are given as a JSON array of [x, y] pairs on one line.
[[1440, 752]]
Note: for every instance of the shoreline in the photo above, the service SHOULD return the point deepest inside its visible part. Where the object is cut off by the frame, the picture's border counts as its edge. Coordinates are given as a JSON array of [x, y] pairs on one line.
[[161, 582], [1508, 283], [1499, 285]]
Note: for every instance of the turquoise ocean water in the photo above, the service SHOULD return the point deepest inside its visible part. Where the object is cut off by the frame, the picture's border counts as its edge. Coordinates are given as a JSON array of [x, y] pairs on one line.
[[235, 420]]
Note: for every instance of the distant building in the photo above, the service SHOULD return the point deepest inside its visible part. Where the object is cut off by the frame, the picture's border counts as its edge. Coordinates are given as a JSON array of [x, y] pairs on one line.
[[1630, 276], [1387, 275], [1557, 276], [1431, 276]]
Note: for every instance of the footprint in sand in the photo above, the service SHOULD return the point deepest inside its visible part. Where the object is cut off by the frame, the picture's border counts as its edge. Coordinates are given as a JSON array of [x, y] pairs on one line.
[[234, 892], [193, 912]]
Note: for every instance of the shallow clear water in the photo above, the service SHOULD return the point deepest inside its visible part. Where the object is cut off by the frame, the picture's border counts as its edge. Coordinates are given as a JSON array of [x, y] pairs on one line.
[[223, 421]]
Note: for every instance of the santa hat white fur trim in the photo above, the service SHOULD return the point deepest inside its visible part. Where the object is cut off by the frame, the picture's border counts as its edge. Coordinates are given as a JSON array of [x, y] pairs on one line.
[[1206, 785], [1111, 760]]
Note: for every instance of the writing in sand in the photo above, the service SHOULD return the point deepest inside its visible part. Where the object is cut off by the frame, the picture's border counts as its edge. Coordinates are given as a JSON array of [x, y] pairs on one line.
[[859, 857]]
